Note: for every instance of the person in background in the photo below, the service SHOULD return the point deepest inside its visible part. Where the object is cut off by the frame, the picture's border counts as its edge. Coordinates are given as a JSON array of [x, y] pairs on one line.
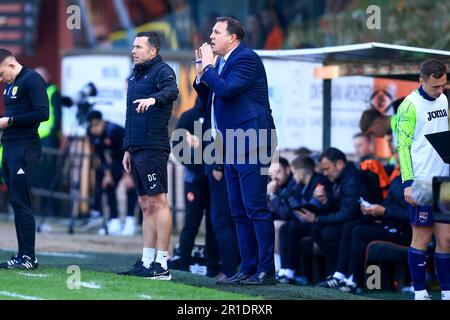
[[50, 134], [107, 141], [424, 111], [26, 106]]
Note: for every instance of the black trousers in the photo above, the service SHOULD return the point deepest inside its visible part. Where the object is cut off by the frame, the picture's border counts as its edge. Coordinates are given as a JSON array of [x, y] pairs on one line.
[[197, 203], [361, 236], [116, 172], [19, 161], [224, 226], [328, 238], [291, 235]]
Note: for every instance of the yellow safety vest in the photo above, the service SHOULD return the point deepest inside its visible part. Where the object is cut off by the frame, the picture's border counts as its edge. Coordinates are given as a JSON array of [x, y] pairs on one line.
[[45, 128]]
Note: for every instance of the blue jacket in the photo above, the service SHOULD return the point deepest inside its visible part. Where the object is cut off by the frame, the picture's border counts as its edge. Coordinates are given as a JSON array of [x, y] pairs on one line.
[[153, 79], [241, 94]]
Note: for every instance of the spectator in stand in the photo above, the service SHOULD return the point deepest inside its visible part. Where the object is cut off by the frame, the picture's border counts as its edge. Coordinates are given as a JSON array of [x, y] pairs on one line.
[[294, 230], [254, 36], [283, 194], [363, 147], [272, 27]]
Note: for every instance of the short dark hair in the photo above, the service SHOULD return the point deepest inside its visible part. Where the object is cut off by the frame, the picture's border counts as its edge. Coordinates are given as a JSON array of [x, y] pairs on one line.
[[432, 67], [152, 38], [94, 115], [362, 135], [5, 53], [233, 27], [283, 162], [333, 154], [367, 119], [305, 163], [302, 151]]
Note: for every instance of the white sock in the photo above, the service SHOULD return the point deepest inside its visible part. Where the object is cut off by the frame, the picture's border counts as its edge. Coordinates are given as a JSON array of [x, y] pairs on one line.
[[290, 273], [445, 295], [148, 256], [277, 260], [339, 276], [419, 295], [281, 272], [161, 257]]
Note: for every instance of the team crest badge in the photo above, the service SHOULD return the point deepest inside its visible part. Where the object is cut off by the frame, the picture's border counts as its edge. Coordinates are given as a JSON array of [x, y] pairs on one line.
[[423, 216], [14, 90]]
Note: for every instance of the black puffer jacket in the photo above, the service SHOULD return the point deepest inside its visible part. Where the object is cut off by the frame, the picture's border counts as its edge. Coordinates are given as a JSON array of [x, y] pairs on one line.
[[347, 190], [153, 79]]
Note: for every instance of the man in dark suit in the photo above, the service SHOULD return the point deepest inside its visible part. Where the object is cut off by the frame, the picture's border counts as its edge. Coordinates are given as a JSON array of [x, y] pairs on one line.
[[236, 93]]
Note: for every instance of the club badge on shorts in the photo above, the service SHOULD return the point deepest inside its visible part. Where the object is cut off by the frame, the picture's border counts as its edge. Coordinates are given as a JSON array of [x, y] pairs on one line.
[[423, 216]]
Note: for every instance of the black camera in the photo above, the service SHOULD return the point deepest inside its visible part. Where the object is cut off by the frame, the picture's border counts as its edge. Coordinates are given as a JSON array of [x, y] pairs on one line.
[[82, 101]]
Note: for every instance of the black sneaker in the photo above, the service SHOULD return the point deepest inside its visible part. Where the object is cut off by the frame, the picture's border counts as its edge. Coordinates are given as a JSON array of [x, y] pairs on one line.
[[135, 269], [14, 259], [330, 282], [24, 263], [157, 272]]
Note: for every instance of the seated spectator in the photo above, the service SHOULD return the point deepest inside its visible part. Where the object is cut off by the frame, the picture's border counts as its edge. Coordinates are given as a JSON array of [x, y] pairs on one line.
[[373, 173], [253, 35], [274, 32], [388, 222], [342, 206], [283, 194], [363, 147], [294, 230]]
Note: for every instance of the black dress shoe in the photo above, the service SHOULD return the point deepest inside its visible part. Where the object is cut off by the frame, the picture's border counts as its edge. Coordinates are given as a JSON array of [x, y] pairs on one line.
[[234, 280], [260, 279]]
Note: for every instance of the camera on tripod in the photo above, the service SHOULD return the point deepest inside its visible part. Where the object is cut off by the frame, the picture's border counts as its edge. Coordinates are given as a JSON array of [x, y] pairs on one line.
[[83, 101]]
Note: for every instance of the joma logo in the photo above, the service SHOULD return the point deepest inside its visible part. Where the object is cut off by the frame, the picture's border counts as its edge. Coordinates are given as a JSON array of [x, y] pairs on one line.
[[437, 114]]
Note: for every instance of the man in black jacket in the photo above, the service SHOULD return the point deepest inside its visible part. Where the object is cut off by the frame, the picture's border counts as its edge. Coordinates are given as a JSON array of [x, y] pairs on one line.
[[388, 221], [152, 89], [342, 207], [26, 106], [283, 194], [196, 191], [294, 230]]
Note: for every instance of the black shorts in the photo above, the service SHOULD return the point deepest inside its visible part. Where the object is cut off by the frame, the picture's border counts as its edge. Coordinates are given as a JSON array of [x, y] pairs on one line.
[[149, 170]]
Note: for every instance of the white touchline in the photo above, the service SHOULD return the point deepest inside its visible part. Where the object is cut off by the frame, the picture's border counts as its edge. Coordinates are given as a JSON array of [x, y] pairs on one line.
[[144, 296], [36, 275], [63, 254], [20, 296], [90, 285]]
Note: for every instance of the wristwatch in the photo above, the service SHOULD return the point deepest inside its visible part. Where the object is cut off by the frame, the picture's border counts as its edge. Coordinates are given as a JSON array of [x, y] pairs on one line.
[[207, 67], [10, 121]]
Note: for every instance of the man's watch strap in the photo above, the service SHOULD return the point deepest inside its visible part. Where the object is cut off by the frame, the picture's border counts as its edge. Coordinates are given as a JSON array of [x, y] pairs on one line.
[[10, 121]]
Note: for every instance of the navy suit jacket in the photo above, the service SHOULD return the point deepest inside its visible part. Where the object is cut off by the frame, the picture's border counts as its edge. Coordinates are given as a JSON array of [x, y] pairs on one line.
[[241, 95]]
